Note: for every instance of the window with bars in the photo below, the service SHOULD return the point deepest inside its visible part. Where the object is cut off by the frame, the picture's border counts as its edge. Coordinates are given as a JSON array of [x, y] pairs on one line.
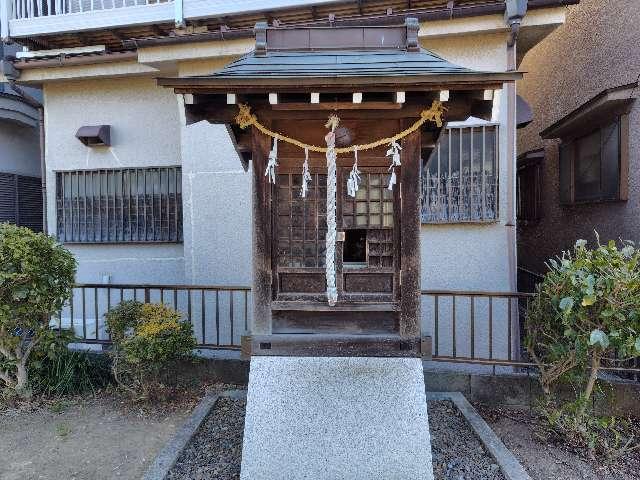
[[119, 205], [460, 178], [21, 200], [372, 206], [302, 222]]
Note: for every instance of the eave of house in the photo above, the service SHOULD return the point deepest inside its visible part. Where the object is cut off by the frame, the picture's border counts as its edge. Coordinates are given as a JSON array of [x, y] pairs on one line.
[[15, 109], [603, 107]]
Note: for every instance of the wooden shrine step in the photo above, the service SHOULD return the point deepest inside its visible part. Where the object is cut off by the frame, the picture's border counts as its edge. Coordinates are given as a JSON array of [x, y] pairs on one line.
[[330, 345], [301, 306]]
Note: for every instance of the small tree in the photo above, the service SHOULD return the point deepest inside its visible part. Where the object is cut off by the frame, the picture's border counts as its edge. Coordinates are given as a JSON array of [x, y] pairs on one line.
[[147, 338], [36, 279], [586, 310]]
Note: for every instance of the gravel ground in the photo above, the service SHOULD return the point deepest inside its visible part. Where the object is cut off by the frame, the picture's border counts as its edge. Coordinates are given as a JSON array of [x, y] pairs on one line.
[[216, 449], [457, 451]]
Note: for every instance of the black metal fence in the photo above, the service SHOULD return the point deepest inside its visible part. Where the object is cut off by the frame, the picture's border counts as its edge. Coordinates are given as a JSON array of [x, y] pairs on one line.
[[466, 327], [219, 314]]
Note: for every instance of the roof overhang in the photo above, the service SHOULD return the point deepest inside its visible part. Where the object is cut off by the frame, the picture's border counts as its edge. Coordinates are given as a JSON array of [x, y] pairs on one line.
[[339, 59], [601, 109]]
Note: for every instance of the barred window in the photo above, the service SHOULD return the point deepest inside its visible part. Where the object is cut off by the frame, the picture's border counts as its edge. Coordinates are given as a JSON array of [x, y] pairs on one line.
[[460, 178], [21, 200], [119, 205]]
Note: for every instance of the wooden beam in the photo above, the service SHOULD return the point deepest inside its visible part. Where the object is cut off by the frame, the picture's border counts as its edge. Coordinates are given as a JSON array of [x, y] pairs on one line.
[[410, 235], [261, 239], [338, 106], [218, 112], [327, 345]]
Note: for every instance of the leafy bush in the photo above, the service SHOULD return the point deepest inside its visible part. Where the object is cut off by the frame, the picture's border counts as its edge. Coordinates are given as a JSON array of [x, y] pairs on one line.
[[586, 309], [36, 279], [147, 339], [585, 312], [56, 370]]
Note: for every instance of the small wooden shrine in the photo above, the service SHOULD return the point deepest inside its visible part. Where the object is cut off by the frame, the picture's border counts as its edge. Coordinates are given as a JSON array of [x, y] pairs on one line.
[[337, 122]]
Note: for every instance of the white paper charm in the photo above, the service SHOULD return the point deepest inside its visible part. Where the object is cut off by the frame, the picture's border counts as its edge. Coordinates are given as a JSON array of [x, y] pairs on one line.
[[353, 183], [270, 171], [306, 175], [394, 153]]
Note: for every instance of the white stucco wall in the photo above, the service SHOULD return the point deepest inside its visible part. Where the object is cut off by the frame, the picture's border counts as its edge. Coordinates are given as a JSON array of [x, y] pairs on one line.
[[145, 132], [471, 256], [19, 149]]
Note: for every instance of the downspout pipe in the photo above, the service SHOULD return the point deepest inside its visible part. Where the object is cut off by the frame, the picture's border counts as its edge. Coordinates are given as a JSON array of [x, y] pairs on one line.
[[43, 163]]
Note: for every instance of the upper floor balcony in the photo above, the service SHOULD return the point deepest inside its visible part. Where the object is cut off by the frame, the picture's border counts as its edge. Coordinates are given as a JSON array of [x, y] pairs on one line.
[[64, 24]]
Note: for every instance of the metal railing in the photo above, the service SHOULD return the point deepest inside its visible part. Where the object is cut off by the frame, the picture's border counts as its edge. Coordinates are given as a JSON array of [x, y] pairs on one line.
[[219, 314], [466, 327], [21, 9], [475, 327], [527, 280]]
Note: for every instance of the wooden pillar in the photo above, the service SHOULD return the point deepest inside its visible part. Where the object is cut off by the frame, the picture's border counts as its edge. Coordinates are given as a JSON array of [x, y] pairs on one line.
[[410, 236], [261, 238]]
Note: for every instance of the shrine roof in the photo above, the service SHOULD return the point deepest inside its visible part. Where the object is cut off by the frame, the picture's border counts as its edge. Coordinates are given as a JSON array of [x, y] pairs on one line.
[[330, 57]]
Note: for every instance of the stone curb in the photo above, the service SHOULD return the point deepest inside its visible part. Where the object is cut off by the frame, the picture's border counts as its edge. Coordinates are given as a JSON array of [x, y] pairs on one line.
[[168, 456], [508, 463]]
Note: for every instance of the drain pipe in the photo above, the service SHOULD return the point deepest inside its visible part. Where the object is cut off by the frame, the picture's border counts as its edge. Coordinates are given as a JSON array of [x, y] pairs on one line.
[[43, 163]]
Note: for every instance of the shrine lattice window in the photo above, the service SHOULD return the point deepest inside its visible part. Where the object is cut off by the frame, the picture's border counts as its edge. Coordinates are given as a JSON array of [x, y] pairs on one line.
[[302, 222], [373, 205], [460, 178]]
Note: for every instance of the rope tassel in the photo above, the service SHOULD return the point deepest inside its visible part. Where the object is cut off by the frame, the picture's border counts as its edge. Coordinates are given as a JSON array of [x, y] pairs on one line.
[[394, 153], [306, 175], [353, 183], [270, 171]]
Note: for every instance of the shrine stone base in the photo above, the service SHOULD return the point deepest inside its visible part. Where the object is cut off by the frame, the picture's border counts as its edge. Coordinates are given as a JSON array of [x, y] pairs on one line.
[[336, 418]]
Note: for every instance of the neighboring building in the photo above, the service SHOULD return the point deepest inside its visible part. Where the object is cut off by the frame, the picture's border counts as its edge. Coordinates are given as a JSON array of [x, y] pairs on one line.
[[579, 161], [152, 198], [20, 179]]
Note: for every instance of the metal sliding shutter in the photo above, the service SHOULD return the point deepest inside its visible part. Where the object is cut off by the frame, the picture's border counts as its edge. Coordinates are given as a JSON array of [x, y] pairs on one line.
[[30, 203], [21, 201], [8, 201]]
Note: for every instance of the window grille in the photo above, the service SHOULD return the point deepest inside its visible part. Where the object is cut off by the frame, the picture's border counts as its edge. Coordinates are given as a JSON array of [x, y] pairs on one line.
[[119, 205], [302, 222], [373, 205], [21, 200], [460, 178]]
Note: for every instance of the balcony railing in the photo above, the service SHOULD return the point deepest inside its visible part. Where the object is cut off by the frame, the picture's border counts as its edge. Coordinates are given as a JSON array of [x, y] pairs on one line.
[[42, 8]]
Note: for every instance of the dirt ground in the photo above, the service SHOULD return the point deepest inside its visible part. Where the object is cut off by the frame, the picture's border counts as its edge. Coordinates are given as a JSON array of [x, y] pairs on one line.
[[543, 461], [106, 436]]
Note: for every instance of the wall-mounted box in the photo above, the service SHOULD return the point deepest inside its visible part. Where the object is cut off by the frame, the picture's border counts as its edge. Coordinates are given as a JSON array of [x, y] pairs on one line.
[[95, 135]]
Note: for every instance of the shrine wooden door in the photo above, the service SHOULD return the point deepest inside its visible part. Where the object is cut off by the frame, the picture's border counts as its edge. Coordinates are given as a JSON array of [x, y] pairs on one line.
[[367, 253]]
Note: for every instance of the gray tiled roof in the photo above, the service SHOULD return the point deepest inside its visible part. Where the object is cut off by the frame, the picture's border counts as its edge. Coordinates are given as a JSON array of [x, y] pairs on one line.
[[340, 63]]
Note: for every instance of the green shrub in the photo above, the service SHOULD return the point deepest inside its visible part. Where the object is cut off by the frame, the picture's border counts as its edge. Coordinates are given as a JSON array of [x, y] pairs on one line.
[[36, 279], [586, 311], [148, 339], [56, 370]]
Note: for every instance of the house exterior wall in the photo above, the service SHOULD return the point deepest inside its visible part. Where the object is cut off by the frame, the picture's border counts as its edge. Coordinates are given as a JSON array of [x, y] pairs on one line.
[[19, 149], [145, 132], [595, 49], [472, 256]]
